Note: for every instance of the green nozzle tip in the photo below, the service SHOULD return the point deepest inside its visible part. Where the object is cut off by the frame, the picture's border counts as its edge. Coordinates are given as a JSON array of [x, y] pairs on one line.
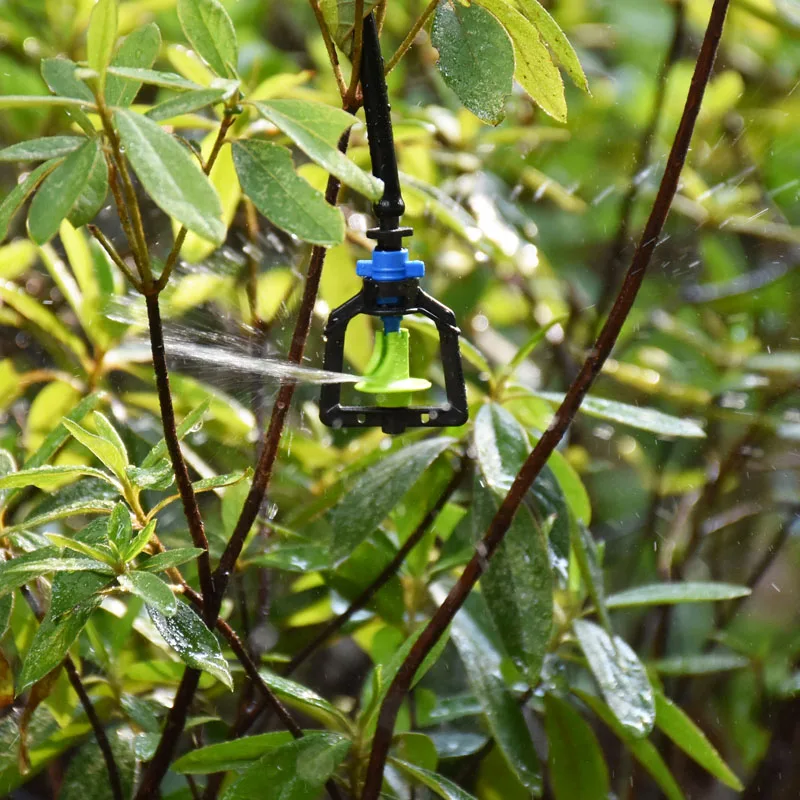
[[387, 374]]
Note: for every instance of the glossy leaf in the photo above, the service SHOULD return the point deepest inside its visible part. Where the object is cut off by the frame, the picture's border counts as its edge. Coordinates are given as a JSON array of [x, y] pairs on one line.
[[577, 768], [105, 444], [93, 196], [48, 477], [674, 722], [186, 103], [59, 74], [86, 777], [138, 50], [701, 663], [268, 178], [42, 149], [234, 755], [535, 70], [621, 677], [29, 566], [315, 128], [482, 661], [209, 29], [167, 80], [376, 492], [306, 700], [15, 199], [152, 590], [119, 528], [670, 593], [646, 419], [294, 771], [171, 558], [476, 58], [101, 37], [441, 786], [141, 540], [192, 420], [196, 645], [171, 176], [60, 191]]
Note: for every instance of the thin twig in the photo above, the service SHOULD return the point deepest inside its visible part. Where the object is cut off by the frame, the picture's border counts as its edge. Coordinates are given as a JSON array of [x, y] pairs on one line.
[[358, 41], [176, 718], [106, 244], [330, 47], [565, 414], [412, 34], [114, 780], [388, 572], [613, 261]]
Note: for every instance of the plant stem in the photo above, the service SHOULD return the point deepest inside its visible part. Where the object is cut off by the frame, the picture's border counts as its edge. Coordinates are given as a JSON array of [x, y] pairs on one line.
[[566, 412], [358, 41], [412, 34], [330, 47], [614, 259], [114, 780], [176, 718], [390, 570], [106, 244]]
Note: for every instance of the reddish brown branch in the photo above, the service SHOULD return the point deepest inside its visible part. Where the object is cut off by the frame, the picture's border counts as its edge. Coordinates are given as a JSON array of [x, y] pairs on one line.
[[566, 412]]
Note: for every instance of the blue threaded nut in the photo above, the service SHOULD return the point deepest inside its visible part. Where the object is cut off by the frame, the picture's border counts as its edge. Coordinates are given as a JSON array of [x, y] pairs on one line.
[[390, 265]]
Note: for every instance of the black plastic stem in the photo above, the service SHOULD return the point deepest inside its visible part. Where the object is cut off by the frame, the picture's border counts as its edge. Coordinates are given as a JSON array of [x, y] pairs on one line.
[[378, 112]]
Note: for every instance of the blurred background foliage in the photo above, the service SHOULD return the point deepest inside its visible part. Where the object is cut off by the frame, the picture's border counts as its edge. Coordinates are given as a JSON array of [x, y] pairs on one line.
[[525, 227]]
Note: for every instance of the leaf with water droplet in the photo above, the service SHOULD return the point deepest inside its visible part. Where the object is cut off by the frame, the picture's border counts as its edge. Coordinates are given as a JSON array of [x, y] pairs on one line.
[[189, 637], [621, 677], [225, 756], [654, 594], [476, 58]]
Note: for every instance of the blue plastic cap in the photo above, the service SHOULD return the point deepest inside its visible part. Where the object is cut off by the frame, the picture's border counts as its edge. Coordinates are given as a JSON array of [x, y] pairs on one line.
[[390, 265]]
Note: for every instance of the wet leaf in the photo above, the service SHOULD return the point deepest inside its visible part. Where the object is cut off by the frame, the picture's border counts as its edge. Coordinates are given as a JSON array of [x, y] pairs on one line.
[[16, 198], [171, 176], [376, 492], [209, 29], [186, 103], [476, 58], [138, 50], [60, 191], [27, 567], [151, 589], [87, 774], [674, 722], [535, 70], [42, 149], [441, 786], [306, 700], [315, 128], [171, 558], [234, 755], [48, 477], [577, 768], [670, 593], [701, 663], [196, 645], [167, 80], [268, 178], [101, 37], [59, 75], [93, 196], [621, 677], [294, 771], [106, 444], [482, 661], [141, 540]]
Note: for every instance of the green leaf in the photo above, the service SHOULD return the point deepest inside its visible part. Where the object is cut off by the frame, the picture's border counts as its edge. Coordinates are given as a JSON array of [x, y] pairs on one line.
[[586, 555], [59, 75], [655, 594], [577, 768], [101, 37], [674, 722], [19, 570], [93, 196], [556, 40], [476, 58], [196, 645], [642, 750], [171, 558], [482, 662], [107, 447], [442, 786], [210, 30], [87, 774], [227, 756], [267, 175], [621, 677], [60, 191], [101, 553], [120, 529], [535, 70], [16, 198], [42, 149], [306, 700], [501, 445], [141, 540], [376, 492], [575, 493], [701, 664], [167, 80], [315, 128], [138, 50], [507, 370], [171, 176], [645, 419], [78, 508], [186, 103], [152, 590], [294, 771], [48, 477], [340, 18], [8, 466], [191, 421]]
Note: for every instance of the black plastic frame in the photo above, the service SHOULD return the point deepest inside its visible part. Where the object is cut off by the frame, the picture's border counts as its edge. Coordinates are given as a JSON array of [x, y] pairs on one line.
[[395, 298]]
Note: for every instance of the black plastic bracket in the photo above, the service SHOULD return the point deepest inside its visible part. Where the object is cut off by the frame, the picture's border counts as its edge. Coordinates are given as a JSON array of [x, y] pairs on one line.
[[395, 298]]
